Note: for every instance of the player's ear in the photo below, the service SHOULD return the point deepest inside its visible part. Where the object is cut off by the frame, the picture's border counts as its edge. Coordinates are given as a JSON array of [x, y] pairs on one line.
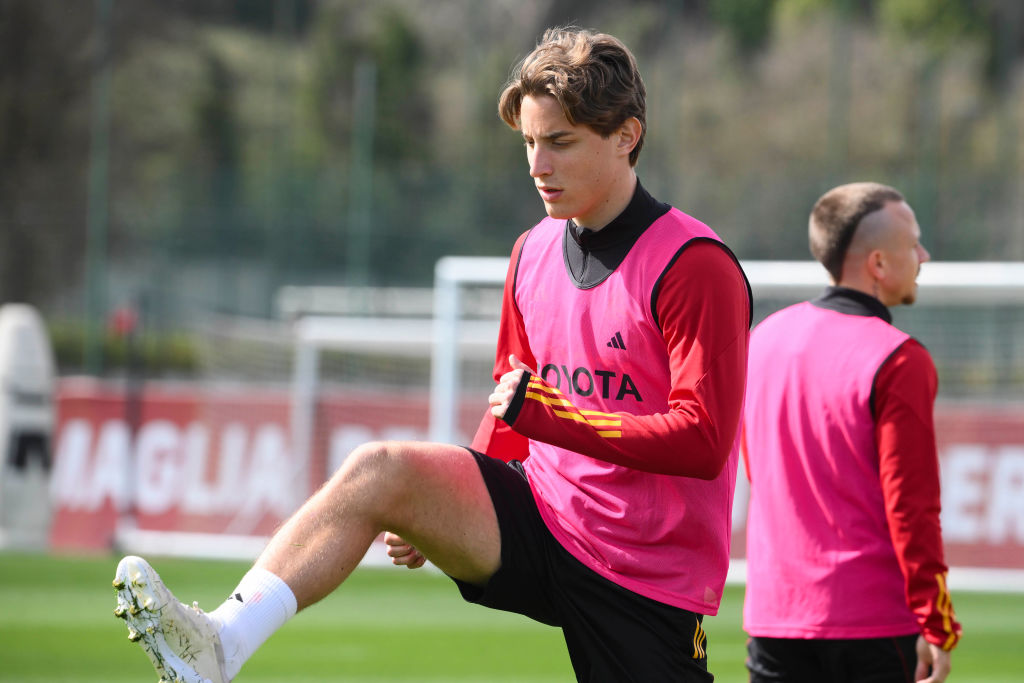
[[876, 263], [629, 135]]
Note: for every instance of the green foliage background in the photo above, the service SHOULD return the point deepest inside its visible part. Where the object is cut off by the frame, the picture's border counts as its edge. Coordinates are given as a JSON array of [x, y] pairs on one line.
[[198, 155]]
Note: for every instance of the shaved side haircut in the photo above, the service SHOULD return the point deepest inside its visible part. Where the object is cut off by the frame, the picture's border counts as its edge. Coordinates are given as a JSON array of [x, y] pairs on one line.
[[835, 217]]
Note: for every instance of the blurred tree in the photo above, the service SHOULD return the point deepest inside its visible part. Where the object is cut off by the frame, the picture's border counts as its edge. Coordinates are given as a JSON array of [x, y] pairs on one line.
[[404, 110], [233, 126], [259, 15], [214, 160], [998, 25], [43, 145], [748, 22], [212, 197], [941, 23], [345, 33]]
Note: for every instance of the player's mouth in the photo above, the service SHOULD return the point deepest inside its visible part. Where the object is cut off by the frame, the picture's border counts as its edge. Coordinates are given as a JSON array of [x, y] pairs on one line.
[[549, 194]]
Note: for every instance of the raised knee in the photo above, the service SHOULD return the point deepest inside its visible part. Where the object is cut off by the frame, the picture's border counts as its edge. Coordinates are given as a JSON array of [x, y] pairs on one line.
[[378, 473], [372, 456], [392, 462]]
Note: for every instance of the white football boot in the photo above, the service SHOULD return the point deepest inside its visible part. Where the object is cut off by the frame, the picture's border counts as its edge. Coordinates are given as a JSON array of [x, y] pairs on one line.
[[182, 642]]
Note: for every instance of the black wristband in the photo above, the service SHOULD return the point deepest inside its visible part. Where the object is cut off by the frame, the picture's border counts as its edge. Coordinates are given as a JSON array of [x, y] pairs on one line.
[[516, 404]]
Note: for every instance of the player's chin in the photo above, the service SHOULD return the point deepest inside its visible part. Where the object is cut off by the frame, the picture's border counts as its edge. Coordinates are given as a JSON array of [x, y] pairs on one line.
[[558, 211]]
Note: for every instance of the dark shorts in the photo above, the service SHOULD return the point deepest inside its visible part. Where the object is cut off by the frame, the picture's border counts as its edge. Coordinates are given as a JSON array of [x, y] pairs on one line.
[[613, 634], [858, 660]]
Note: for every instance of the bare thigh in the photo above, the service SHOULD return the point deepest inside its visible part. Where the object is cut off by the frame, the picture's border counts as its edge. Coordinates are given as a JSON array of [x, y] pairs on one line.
[[432, 495], [440, 503]]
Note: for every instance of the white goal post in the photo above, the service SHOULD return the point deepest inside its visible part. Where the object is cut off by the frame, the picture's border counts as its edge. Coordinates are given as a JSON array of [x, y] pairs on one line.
[[452, 276]]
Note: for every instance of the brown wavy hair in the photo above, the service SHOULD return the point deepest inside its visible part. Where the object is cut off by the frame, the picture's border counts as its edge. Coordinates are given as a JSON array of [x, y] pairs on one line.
[[593, 76]]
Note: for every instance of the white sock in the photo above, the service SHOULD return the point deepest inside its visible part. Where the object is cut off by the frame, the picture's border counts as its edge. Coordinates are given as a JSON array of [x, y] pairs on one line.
[[260, 605]]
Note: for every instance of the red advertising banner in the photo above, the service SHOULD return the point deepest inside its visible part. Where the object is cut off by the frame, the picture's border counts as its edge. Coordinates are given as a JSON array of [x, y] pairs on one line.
[[170, 459], [203, 460], [982, 452], [200, 460]]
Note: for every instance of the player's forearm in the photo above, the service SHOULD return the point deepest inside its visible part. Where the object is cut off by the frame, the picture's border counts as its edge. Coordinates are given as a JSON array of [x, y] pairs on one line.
[[917, 538], [911, 492], [683, 442]]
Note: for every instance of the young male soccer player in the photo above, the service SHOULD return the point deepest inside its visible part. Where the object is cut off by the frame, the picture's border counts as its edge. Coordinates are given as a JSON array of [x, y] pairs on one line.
[[612, 520], [846, 578]]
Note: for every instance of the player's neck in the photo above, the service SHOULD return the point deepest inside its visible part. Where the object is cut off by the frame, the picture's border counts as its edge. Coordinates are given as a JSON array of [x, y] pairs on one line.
[[618, 199]]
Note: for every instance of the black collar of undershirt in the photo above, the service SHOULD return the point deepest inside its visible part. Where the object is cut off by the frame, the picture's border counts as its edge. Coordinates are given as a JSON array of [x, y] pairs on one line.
[[591, 256], [852, 302]]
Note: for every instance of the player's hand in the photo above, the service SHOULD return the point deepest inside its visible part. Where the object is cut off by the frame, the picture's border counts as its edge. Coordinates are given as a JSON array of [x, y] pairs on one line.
[[402, 553], [507, 385], [933, 663]]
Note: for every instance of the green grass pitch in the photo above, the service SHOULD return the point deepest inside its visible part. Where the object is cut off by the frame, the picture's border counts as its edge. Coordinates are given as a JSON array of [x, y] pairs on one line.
[[56, 625]]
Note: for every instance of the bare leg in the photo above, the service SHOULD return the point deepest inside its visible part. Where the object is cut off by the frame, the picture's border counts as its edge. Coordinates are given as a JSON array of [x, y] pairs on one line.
[[431, 494]]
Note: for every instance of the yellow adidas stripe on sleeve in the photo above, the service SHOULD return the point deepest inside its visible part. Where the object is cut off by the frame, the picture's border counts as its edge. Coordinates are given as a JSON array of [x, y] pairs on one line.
[[551, 396], [944, 604]]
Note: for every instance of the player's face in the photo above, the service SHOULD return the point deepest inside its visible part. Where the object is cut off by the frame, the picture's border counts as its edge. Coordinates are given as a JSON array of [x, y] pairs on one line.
[[575, 170], [904, 256]]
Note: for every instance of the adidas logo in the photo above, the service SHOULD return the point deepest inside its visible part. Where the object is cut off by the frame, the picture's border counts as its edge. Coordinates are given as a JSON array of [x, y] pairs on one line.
[[616, 342]]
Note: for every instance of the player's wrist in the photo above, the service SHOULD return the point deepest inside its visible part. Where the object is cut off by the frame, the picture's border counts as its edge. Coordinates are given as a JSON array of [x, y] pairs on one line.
[[515, 406], [943, 640]]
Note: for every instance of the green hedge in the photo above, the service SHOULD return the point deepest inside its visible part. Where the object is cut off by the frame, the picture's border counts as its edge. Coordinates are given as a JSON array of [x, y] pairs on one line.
[[152, 354]]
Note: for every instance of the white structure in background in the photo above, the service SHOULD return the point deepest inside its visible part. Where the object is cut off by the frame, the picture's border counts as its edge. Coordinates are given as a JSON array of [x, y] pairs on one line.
[[27, 373]]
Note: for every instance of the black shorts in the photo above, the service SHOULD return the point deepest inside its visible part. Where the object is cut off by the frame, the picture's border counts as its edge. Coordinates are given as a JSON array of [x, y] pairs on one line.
[[613, 634], [854, 660]]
